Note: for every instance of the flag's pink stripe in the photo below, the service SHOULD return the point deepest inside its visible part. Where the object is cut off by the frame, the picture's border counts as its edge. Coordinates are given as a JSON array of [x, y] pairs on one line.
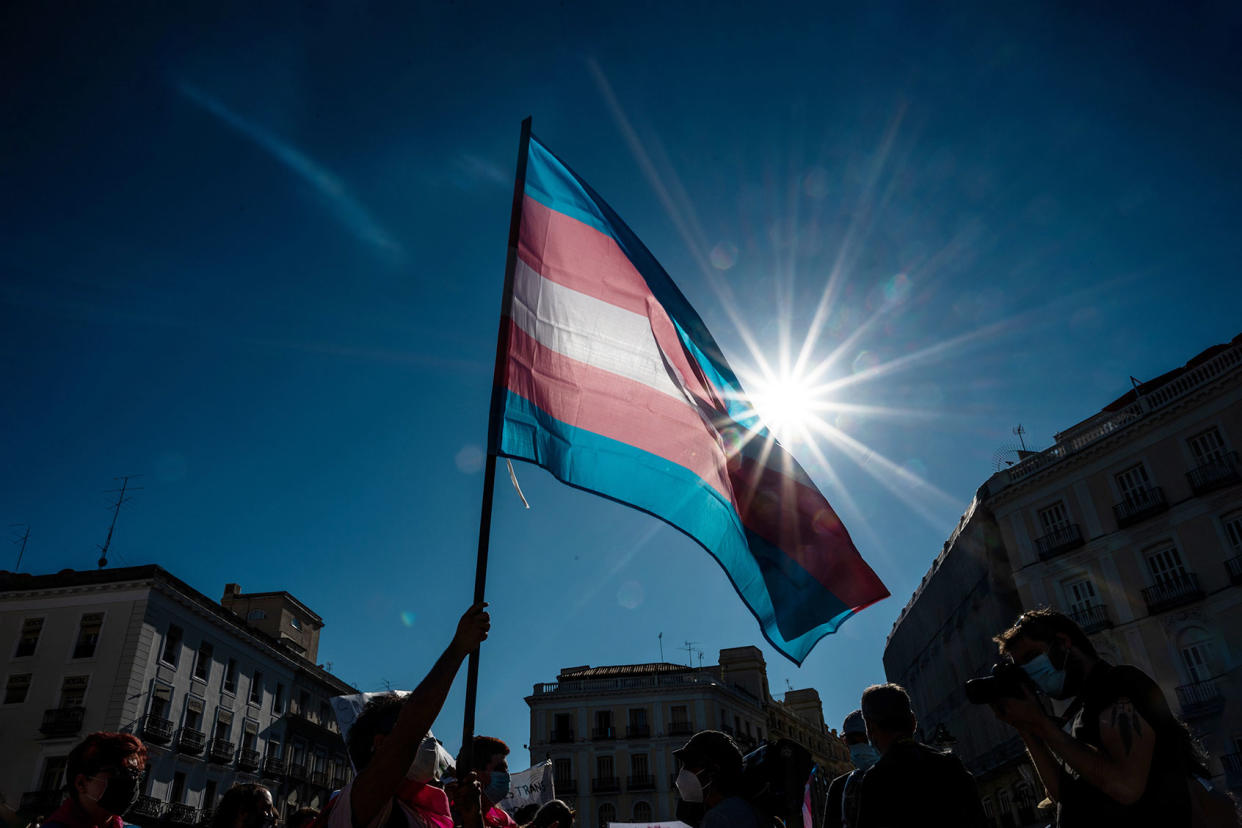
[[564, 250], [798, 520], [601, 402]]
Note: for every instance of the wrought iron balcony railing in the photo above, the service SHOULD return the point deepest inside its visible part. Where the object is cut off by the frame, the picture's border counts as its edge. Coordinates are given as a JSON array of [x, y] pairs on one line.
[[565, 786], [1059, 541], [274, 767], [1093, 618], [157, 729], [680, 728], [1172, 592], [1215, 474], [221, 751], [604, 733], [319, 778], [248, 759], [182, 814], [1140, 505], [148, 807], [62, 721], [299, 772], [1202, 698]]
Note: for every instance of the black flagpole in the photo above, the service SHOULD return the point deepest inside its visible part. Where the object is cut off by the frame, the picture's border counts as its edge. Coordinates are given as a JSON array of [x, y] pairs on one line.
[[493, 429]]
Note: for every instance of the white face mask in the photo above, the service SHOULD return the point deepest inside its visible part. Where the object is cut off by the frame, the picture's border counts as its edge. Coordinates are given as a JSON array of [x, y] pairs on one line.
[[1046, 677], [426, 763], [689, 786]]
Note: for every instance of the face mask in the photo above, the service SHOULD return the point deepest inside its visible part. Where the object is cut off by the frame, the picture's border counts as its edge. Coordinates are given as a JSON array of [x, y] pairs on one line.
[[120, 792], [426, 762], [498, 788], [1046, 677], [864, 755], [689, 786]]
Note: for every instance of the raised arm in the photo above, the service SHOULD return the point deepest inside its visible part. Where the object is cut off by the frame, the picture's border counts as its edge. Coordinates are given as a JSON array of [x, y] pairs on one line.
[[382, 777]]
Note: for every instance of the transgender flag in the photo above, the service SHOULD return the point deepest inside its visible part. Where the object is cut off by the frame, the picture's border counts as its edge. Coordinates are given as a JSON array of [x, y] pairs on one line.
[[614, 385]]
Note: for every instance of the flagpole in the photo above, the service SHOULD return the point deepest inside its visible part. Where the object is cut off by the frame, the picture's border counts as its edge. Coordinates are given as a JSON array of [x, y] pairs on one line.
[[493, 428]]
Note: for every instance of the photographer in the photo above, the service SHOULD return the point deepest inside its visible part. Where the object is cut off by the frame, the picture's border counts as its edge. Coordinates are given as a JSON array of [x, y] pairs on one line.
[[1123, 758]]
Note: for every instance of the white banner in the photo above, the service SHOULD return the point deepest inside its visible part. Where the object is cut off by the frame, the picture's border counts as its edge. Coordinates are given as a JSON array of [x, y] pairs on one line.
[[348, 708], [531, 785]]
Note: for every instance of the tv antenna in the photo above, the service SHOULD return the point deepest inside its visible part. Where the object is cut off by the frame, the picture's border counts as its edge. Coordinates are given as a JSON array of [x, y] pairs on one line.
[[116, 510], [689, 648], [661, 638], [1011, 454], [22, 551], [1018, 431]]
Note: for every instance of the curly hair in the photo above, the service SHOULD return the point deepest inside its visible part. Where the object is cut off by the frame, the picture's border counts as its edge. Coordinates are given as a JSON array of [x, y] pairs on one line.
[[104, 750], [1044, 625]]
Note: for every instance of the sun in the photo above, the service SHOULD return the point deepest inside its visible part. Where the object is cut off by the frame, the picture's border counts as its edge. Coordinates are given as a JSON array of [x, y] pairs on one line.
[[787, 404]]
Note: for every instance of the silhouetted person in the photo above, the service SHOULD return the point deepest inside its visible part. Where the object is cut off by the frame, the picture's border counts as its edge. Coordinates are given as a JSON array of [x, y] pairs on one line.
[[248, 805], [1125, 759], [394, 754], [845, 792], [711, 774], [525, 814], [103, 778], [554, 814], [489, 760], [911, 785]]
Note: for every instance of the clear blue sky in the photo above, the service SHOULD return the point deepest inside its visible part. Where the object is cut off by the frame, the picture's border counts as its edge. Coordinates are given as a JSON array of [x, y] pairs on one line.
[[254, 252]]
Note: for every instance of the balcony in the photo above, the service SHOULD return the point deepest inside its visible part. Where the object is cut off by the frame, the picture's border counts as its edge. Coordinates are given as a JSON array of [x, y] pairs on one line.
[[604, 733], [1233, 770], [182, 814], [565, 786], [191, 741], [1215, 474], [1093, 618], [299, 772], [638, 731], [1234, 567], [62, 721], [641, 783], [1059, 541], [273, 767], [605, 784], [1140, 505], [41, 802], [156, 729], [1203, 698], [680, 728], [319, 778], [561, 735], [1173, 592], [147, 807], [221, 751], [248, 759]]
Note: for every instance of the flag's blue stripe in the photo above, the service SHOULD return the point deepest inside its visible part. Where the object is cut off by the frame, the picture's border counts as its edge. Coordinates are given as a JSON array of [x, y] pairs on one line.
[[554, 185], [764, 576]]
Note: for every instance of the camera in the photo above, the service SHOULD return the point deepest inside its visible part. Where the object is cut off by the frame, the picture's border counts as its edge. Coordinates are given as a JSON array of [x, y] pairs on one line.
[[1006, 682]]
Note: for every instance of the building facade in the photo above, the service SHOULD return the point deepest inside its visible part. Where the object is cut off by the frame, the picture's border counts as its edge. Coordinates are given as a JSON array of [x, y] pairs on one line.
[[1132, 524], [216, 698], [610, 731]]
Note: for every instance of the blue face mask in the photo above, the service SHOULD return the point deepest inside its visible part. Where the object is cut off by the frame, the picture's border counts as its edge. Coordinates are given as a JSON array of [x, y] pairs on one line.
[[864, 755], [497, 787], [1046, 677]]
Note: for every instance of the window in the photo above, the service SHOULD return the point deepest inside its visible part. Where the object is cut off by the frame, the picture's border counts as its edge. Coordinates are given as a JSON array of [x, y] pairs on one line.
[[250, 734], [1002, 803], [1166, 567], [562, 728], [607, 814], [278, 699], [1133, 485], [273, 748], [638, 765], [604, 768], [88, 635], [193, 713], [325, 713], [1233, 529], [29, 639], [209, 794], [161, 701], [230, 676], [172, 645], [224, 725], [73, 691], [642, 812], [53, 776], [294, 622], [202, 661], [1054, 518], [16, 688], [638, 719], [603, 724], [679, 714], [256, 688], [303, 703], [1195, 657], [177, 794], [1207, 447], [563, 770], [1080, 594]]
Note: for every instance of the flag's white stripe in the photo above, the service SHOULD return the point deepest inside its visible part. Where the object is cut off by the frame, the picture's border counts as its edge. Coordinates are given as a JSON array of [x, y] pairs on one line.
[[589, 330]]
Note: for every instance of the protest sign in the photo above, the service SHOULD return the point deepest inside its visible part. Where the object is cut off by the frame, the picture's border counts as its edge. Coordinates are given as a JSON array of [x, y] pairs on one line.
[[531, 785]]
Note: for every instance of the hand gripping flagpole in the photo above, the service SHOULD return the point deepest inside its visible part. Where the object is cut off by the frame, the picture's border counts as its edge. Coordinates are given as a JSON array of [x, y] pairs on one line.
[[493, 426]]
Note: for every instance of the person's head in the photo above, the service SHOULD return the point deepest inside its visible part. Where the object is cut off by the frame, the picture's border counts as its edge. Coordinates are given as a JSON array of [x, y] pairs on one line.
[[854, 733], [1052, 649], [524, 815], [375, 722], [711, 767], [487, 759], [887, 713], [302, 817], [245, 806], [554, 814], [104, 773]]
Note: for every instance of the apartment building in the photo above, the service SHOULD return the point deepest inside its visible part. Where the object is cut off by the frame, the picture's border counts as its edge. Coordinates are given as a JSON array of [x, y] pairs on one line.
[[1132, 523], [217, 696], [610, 731]]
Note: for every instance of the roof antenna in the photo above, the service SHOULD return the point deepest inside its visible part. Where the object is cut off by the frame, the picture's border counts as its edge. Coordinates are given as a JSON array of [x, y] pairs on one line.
[[121, 498], [689, 648], [23, 540], [1019, 431]]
